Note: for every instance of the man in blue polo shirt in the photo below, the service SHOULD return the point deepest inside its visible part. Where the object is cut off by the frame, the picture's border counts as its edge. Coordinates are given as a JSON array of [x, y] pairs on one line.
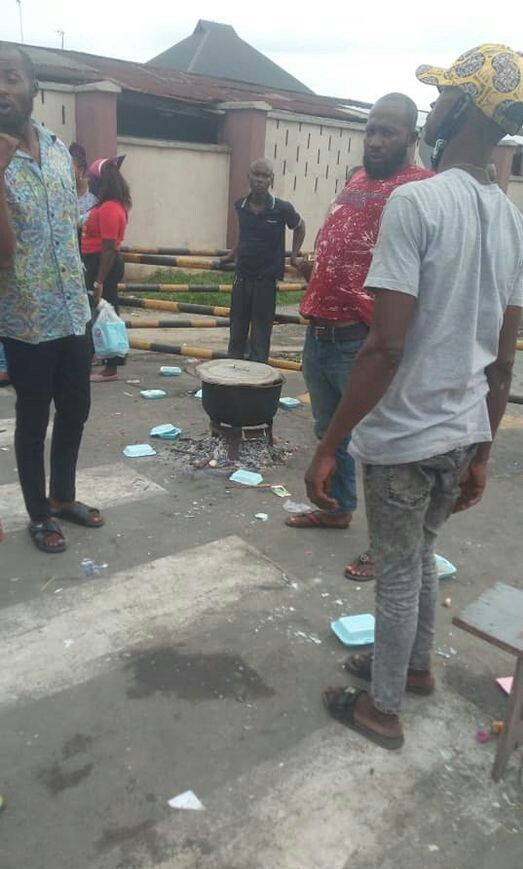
[[43, 305], [260, 262]]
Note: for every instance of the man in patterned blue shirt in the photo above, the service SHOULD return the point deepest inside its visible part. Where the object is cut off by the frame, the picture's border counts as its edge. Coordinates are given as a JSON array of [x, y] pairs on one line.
[[43, 305]]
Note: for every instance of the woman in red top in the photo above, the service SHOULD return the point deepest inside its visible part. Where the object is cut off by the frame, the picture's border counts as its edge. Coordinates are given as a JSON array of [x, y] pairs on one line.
[[102, 235]]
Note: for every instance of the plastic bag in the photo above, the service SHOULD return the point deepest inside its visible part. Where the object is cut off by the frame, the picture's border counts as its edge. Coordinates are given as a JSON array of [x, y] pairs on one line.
[[109, 332]]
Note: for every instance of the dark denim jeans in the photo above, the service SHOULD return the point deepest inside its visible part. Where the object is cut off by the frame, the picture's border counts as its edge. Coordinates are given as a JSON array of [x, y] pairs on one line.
[[326, 368], [406, 506]]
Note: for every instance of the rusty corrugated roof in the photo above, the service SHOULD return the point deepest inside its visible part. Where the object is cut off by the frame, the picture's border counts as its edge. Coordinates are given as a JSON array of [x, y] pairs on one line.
[[78, 67]]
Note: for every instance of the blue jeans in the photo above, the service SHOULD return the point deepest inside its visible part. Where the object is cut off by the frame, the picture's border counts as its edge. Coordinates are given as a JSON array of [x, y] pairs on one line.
[[326, 368], [3, 361]]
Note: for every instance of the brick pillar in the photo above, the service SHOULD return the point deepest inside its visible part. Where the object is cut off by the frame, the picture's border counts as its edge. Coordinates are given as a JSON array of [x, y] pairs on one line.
[[243, 128], [502, 156], [96, 127]]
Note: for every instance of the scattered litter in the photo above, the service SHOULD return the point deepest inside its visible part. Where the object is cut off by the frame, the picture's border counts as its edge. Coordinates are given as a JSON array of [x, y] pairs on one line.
[[246, 478], [198, 394], [280, 491], [497, 727], [2, 803], [133, 382], [325, 594], [167, 431], [153, 393], [15, 579], [129, 394], [188, 801], [4, 449], [310, 637], [505, 683], [90, 568], [355, 630], [305, 398], [445, 568], [289, 403], [433, 848], [443, 653], [261, 516], [294, 507], [447, 602], [170, 370], [135, 451], [68, 643], [482, 735], [58, 590], [339, 602]]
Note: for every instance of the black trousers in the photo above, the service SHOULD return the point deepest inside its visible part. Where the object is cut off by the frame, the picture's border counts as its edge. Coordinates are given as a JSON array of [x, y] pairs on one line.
[[40, 373], [91, 262], [253, 303]]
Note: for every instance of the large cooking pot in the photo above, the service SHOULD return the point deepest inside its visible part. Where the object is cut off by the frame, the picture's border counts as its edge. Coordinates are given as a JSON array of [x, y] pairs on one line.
[[240, 393]]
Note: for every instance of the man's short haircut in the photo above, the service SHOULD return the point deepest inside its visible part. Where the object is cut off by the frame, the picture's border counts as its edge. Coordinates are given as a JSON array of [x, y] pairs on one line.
[[409, 106], [28, 64], [262, 163]]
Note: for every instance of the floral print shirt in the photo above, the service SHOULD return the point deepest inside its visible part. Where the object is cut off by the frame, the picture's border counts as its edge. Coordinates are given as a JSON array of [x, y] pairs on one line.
[[43, 296]]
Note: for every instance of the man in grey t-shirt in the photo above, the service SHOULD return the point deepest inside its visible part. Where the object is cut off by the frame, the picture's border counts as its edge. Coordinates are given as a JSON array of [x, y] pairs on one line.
[[430, 385]]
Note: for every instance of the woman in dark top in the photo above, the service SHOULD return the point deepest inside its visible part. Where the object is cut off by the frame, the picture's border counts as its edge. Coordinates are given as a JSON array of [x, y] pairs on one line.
[[102, 235]]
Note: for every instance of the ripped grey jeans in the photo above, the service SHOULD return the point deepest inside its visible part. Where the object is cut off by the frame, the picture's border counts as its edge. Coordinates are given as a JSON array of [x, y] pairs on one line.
[[406, 506]]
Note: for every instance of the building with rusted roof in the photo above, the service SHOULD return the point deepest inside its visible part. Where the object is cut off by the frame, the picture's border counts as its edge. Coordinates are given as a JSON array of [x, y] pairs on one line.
[[189, 138]]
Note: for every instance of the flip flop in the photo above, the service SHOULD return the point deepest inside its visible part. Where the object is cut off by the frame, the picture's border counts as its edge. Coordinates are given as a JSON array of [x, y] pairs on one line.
[[361, 667], [365, 562], [100, 378], [316, 519], [341, 705], [79, 514], [40, 530]]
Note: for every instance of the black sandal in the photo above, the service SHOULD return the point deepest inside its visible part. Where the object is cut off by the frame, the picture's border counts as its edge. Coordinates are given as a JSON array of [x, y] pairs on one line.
[[361, 667], [80, 514], [40, 530], [341, 704]]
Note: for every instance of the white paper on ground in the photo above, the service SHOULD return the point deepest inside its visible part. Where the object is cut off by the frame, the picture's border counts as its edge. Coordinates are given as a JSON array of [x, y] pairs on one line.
[[505, 683], [187, 801]]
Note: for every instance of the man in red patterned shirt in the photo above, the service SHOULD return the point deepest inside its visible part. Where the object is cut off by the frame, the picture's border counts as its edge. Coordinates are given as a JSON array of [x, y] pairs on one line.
[[336, 303]]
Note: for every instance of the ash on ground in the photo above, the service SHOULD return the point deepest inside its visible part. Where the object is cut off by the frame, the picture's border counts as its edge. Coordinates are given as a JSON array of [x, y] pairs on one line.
[[212, 453]]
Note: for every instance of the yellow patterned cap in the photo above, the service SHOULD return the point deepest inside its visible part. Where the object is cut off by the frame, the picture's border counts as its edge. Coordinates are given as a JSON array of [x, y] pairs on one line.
[[492, 75]]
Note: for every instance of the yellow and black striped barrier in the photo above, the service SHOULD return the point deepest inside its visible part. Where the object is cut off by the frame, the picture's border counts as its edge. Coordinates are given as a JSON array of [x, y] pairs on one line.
[[188, 308], [184, 251], [201, 353], [174, 251], [281, 286], [208, 264], [204, 323]]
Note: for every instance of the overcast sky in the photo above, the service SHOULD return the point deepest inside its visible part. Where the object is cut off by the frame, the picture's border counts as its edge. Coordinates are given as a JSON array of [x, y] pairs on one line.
[[334, 49]]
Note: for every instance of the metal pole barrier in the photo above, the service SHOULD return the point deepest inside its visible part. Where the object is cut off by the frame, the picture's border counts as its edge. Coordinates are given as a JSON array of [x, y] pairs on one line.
[[185, 251], [202, 353], [188, 308], [281, 286], [143, 323], [184, 262]]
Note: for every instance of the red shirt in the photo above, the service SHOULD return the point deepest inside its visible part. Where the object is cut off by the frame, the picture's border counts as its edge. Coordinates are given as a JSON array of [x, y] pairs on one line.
[[105, 222], [345, 245]]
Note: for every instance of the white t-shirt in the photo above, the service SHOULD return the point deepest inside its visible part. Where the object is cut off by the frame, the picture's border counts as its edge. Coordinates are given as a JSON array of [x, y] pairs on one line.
[[457, 246]]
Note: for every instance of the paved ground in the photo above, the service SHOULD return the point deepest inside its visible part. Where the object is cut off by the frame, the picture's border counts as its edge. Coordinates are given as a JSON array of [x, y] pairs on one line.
[[196, 661]]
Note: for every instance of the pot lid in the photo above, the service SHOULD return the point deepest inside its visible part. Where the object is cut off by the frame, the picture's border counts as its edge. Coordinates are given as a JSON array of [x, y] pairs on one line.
[[238, 372]]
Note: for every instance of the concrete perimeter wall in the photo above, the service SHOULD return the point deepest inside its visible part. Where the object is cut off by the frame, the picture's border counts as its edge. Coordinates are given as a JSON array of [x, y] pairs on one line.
[[311, 158], [179, 190]]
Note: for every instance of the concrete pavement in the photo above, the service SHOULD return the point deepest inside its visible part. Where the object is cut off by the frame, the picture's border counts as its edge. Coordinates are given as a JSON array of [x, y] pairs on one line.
[[196, 660]]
